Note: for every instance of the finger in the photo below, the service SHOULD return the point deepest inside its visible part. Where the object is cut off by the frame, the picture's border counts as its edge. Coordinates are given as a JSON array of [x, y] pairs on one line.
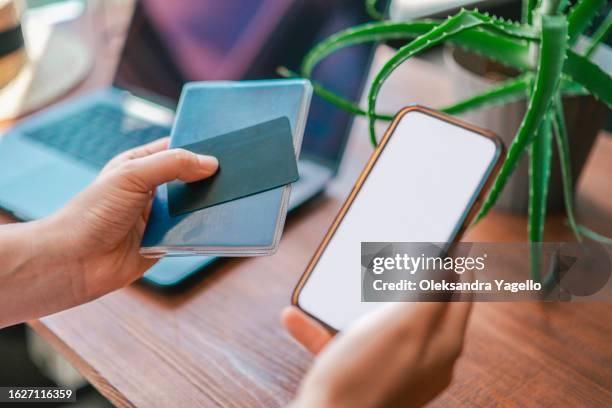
[[308, 332], [423, 317], [447, 342], [150, 171], [138, 152], [458, 312], [149, 148]]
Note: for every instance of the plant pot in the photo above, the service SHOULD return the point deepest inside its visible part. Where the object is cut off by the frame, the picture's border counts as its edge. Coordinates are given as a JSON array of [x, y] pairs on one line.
[[584, 115]]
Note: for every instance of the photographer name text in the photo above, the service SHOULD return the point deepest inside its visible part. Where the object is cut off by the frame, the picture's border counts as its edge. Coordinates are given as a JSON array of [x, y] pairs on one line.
[[427, 285]]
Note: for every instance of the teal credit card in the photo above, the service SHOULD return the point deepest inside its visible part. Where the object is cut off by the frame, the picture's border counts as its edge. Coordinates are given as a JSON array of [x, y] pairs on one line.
[[251, 160]]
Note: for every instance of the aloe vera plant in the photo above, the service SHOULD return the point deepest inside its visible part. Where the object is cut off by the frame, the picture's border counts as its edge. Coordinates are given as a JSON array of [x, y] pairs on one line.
[[540, 46]]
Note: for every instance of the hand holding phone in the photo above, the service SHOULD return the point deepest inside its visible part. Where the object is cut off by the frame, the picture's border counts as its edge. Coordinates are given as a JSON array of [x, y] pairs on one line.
[[423, 183], [401, 355]]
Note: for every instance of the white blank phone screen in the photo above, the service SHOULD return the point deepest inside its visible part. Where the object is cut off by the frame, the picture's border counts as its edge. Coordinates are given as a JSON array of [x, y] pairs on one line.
[[418, 191]]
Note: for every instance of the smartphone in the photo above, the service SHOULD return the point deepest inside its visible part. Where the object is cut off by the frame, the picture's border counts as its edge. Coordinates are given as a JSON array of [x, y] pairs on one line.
[[424, 183]]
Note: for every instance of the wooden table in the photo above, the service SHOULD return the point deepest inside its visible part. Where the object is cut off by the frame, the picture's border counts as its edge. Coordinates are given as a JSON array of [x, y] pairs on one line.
[[220, 343]]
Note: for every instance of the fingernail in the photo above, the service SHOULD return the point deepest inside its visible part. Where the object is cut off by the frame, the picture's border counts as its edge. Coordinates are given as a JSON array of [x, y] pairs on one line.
[[208, 162]]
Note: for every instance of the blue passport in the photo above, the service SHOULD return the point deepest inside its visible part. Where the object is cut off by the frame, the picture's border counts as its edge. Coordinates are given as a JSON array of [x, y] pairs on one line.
[[248, 226]]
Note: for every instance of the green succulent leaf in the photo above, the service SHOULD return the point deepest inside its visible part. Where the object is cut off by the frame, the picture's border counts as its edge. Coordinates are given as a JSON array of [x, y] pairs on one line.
[[504, 92], [506, 43], [369, 32], [450, 28], [564, 159], [332, 97], [569, 87], [539, 177], [373, 11], [508, 91], [581, 17], [460, 22], [499, 47], [566, 177], [346, 104], [546, 7], [595, 236], [506, 50], [600, 35], [591, 76], [563, 5], [553, 44], [527, 10], [503, 48], [511, 90], [507, 27]]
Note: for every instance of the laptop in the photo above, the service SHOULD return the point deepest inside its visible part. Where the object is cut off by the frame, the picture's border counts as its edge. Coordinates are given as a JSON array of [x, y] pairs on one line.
[[49, 157]]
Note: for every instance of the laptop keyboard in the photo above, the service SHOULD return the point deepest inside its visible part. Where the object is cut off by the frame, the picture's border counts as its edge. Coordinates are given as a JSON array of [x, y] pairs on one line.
[[97, 134]]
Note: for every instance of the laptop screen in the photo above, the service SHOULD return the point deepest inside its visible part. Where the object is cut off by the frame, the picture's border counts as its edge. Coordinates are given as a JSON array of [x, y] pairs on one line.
[[173, 42]]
